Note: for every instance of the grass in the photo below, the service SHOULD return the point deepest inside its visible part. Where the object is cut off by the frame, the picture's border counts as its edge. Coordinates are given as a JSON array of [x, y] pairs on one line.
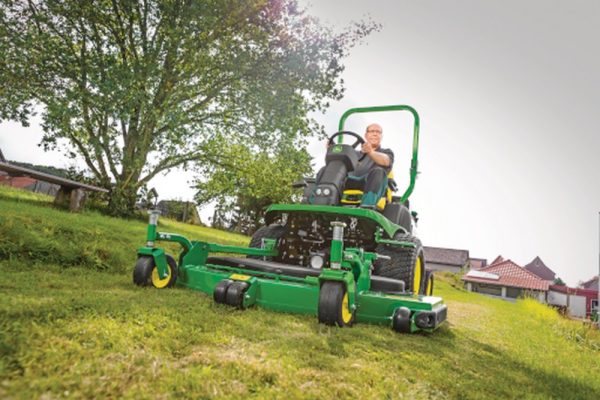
[[73, 325]]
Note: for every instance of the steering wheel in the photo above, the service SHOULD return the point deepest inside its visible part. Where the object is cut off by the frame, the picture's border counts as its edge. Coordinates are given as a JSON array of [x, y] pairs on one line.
[[359, 140]]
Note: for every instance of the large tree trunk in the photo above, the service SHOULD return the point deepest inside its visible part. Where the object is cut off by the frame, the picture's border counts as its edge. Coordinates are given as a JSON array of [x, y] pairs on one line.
[[122, 200]]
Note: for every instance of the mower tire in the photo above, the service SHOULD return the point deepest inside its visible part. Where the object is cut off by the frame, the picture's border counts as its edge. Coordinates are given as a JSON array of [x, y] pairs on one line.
[[333, 304], [220, 292], [428, 283], [401, 320], [235, 294], [145, 273], [405, 263], [273, 231]]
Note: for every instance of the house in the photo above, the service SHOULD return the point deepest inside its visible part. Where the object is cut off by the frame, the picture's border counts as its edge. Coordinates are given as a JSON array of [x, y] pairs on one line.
[[441, 259], [540, 269], [592, 284], [477, 263], [507, 280], [497, 260], [576, 302]]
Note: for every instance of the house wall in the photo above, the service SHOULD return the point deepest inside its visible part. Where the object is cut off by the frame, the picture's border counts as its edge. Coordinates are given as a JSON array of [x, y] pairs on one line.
[[557, 299], [484, 288], [577, 306], [505, 292], [442, 267]]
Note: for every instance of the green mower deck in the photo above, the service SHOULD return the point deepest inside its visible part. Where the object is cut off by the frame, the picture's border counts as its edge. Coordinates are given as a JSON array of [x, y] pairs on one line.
[[341, 295]]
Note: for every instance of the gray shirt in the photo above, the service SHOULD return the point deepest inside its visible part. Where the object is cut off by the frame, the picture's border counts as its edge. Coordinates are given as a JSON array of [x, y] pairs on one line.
[[367, 164]]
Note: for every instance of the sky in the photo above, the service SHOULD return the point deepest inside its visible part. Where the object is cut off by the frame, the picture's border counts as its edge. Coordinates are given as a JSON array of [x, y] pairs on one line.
[[507, 94]]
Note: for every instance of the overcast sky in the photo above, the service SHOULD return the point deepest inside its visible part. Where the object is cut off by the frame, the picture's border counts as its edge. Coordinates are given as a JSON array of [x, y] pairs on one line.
[[508, 95]]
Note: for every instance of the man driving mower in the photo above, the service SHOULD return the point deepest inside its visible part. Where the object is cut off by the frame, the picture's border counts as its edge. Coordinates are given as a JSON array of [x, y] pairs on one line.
[[370, 175]]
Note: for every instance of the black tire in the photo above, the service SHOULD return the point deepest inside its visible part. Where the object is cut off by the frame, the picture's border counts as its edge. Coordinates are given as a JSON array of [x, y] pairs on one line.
[[235, 294], [144, 267], [333, 305], [401, 320], [428, 283], [273, 231], [220, 292], [402, 264]]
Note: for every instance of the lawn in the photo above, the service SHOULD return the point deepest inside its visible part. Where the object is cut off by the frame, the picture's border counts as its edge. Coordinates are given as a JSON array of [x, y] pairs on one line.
[[73, 325]]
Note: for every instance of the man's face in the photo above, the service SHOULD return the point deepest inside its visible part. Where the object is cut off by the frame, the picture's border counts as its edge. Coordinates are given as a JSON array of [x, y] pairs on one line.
[[373, 135]]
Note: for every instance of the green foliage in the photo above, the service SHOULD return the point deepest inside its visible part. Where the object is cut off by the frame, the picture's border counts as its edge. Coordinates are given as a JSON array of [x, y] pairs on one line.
[[248, 181], [82, 333], [136, 88], [559, 281]]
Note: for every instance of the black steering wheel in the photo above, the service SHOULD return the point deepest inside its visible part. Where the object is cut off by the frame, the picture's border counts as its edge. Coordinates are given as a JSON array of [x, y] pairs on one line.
[[359, 140]]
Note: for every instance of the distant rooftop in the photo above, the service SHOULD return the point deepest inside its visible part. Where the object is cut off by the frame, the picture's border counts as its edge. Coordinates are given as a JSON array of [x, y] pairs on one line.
[[540, 269], [509, 274], [454, 257]]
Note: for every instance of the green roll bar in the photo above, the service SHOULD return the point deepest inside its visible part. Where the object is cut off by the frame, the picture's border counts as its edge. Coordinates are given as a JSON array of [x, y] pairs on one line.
[[415, 152]]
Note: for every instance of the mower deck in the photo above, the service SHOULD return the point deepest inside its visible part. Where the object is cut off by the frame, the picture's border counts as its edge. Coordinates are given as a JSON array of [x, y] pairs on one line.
[[288, 288]]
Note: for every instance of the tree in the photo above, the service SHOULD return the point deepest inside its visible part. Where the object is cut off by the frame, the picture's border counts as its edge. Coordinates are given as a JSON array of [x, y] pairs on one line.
[[136, 88], [559, 281], [249, 182]]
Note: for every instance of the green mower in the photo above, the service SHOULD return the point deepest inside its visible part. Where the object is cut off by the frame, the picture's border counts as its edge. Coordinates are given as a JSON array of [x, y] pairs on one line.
[[324, 257]]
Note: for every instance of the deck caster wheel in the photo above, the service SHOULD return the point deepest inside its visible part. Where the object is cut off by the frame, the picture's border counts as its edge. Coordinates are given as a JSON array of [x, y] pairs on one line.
[[333, 305], [235, 294], [401, 320], [220, 291], [145, 272]]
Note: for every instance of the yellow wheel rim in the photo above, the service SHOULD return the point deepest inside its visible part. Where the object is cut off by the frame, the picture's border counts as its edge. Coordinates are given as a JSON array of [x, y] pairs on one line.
[[160, 283], [417, 276], [346, 314], [429, 291]]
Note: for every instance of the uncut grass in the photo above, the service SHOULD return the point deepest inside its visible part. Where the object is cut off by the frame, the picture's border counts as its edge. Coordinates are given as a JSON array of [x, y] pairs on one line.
[[85, 331], [33, 231]]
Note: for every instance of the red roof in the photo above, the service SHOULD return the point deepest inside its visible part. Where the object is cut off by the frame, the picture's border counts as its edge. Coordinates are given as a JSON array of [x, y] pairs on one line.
[[509, 274]]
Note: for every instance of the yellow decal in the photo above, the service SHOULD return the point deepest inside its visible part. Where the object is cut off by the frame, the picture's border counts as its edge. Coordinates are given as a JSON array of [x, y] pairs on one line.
[[240, 277]]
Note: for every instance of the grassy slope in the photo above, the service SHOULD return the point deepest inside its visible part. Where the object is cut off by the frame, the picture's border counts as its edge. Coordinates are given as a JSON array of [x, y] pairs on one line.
[[73, 325]]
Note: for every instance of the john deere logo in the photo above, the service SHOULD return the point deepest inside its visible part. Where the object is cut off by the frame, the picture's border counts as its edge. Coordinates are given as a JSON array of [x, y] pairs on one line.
[[337, 149]]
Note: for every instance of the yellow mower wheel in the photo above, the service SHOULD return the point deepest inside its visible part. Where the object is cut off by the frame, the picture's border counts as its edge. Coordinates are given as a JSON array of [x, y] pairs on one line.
[[334, 308], [145, 273]]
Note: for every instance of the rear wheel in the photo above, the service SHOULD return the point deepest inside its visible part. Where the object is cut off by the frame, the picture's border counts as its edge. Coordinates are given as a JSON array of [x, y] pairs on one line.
[[334, 305], [145, 273], [273, 231], [428, 283], [406, 263]]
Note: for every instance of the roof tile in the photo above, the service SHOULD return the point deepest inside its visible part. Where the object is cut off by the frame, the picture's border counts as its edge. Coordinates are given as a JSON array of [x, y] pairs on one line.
[[511, 275]]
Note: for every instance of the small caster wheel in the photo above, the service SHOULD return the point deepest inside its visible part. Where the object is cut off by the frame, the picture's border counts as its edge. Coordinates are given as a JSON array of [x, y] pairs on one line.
[[220, 291], [145, 273], [235, 294], [333, 305], [401, 320]]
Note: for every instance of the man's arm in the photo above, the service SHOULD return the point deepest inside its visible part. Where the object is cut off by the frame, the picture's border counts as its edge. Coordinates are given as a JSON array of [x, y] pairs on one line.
[[378, 158]]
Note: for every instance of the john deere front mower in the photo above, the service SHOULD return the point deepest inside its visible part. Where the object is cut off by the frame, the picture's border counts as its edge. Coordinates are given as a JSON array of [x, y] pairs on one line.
[[324, 257]]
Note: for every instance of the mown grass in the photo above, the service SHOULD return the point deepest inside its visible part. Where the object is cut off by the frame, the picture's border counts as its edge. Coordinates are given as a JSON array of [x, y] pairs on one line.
[[72, 331]]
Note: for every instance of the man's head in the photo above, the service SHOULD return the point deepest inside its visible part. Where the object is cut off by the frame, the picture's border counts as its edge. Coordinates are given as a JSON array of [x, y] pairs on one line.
[[373, 135]]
